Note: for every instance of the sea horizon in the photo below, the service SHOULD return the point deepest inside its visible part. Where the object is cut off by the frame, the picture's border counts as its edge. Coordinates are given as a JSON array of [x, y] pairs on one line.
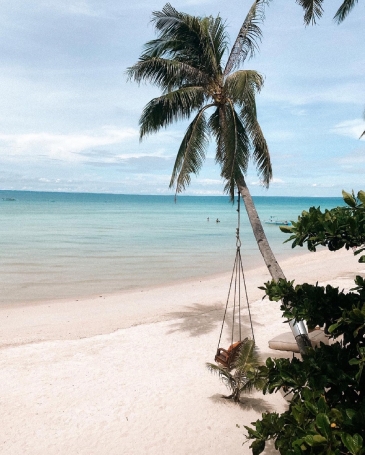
[[164, 195]]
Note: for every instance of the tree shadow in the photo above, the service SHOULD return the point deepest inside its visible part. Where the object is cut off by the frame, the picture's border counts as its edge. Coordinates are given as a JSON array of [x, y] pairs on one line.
[[246, 403], [202, 319]]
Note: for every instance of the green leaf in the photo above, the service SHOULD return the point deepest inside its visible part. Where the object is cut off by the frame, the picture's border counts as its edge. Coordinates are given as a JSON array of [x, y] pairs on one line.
[[349, 199], [319, 440], [352, 443], [361, 196], [257, 446], [362, 259], [315, 440], [286, 229], [313, 409], [333, 327], [323, 424]]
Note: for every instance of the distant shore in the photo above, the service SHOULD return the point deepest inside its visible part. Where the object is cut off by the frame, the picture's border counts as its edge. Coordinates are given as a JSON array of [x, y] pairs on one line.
[[124, 373]]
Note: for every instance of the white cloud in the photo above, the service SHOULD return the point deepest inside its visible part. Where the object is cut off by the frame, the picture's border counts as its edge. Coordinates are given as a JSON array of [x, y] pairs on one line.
[[65, 147], [73, 7], [305, 95], [350, 128], [260, 183], [210, 182]]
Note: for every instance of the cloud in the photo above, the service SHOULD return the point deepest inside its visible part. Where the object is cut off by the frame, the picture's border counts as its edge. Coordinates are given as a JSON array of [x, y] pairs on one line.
[[260, 183], [67, 147], [350, 128], [210, 182], [302, 95]]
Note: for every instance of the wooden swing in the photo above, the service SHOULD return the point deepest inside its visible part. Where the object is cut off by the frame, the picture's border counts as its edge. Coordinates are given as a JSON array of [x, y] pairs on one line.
[[227, 357]]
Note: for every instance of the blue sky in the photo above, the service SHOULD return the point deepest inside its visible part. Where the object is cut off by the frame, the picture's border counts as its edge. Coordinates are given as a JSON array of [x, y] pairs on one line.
[[69, 118]]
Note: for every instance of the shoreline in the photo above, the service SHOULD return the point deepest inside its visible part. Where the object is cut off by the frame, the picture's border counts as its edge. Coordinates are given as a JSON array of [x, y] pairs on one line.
[[63, 319], [80, 293], [170, 283]]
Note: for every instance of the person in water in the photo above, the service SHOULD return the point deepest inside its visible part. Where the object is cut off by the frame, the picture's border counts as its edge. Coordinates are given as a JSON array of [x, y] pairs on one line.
[[217, 221]]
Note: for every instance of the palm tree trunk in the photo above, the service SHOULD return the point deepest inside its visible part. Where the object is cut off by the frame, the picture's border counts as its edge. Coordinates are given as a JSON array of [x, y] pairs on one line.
[[298, 328]]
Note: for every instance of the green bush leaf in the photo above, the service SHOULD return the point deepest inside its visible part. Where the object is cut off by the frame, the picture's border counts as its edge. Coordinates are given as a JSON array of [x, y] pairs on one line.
[[323, 424], [349, 199], [361, 196], [316, 440], [352, 443], [257, 446], [286, 229]]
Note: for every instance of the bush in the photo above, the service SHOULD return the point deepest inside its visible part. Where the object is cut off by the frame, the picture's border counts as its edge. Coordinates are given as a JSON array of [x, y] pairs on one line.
[[327, 412]]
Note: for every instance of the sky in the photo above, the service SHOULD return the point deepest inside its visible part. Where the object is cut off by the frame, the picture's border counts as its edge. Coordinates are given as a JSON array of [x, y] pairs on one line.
[[69, 116]]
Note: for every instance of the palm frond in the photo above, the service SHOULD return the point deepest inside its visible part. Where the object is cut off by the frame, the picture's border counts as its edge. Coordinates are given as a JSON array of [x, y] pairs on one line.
[[224, 375], [167, 108], [188, 38], [250, 34], [243, 85], [344, 10], [165, 73], [191, 153], [233, 145], [260, 153], [312, 10], [248, 357], [219, 39]]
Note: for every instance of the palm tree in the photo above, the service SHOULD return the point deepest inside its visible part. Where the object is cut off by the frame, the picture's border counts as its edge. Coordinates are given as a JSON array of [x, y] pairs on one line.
[[186, 62], [245, 374], [313, 10]]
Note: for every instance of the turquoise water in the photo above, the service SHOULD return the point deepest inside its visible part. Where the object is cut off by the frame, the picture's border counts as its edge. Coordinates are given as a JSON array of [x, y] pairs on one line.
[[59, 245]]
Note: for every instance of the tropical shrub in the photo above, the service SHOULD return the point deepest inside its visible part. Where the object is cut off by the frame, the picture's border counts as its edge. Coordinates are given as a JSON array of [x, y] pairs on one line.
[[327, 412]]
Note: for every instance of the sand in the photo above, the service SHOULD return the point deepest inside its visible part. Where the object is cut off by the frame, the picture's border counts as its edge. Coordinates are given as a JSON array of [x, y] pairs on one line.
[[125, 374]]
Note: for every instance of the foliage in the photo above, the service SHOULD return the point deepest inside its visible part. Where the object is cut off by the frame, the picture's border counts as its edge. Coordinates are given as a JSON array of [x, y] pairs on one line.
[[336, 228], [327, 412], [313, 10], [245, 374], [186, 62]]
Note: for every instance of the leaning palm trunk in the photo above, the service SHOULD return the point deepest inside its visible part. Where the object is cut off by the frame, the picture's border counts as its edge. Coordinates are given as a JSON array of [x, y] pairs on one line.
[[298, 328]]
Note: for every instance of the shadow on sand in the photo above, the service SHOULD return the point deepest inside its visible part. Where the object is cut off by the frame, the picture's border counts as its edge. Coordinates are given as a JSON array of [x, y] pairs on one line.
[[202, 319], [246, 403], [258, 405]]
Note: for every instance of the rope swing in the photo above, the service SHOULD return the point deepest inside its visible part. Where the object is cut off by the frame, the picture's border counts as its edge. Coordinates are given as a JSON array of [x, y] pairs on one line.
[[226, 357]]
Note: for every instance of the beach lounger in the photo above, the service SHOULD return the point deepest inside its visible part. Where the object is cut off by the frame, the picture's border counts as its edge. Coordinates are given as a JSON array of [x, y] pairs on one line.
[[286, 341]]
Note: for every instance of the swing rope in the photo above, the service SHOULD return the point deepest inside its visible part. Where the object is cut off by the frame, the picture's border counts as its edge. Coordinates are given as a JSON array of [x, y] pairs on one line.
[[237, 272]]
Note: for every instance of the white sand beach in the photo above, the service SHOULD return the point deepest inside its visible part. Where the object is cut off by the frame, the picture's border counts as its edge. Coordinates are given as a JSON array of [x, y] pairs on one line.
[[125, 374]]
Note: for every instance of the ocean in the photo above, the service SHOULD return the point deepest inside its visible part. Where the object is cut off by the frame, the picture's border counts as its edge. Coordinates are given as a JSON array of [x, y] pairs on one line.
[[63, 245]]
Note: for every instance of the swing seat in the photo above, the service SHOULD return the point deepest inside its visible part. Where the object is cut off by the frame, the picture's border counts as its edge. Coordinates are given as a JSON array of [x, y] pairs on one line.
[[226, 357]]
